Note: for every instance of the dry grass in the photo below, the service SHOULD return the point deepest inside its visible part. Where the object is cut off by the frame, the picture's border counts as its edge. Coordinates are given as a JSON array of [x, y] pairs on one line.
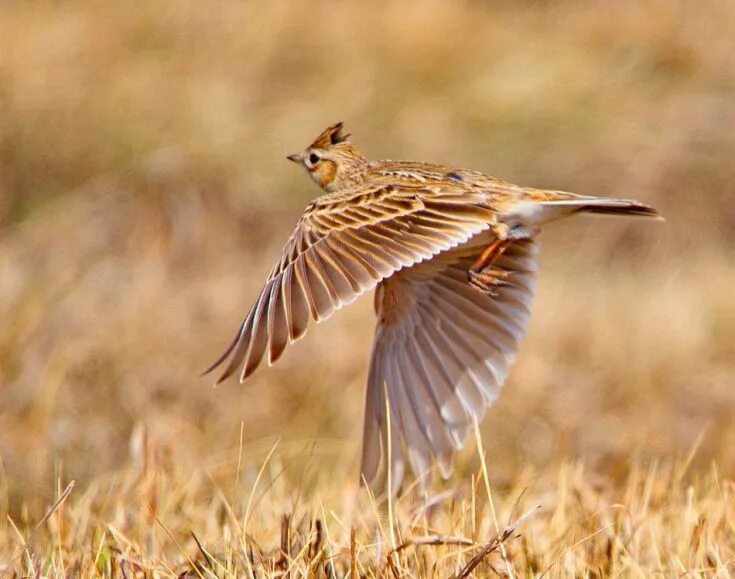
[[155, 518], [144, 195]]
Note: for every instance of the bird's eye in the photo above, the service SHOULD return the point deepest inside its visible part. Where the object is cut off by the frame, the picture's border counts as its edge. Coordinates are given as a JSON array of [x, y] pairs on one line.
[[313, 158]]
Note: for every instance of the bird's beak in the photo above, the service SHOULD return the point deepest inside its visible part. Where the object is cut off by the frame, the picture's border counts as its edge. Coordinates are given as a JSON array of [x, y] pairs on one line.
[[296, 157]]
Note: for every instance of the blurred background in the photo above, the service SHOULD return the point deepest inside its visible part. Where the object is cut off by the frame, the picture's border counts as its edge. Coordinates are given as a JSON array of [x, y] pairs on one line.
[[144, 196]]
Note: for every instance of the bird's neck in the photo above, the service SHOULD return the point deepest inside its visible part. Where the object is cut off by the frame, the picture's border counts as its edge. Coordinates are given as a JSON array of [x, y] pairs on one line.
[[352, 171]]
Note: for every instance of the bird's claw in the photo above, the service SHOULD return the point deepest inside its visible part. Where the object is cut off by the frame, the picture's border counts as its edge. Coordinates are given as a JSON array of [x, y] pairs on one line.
[[489, 280]]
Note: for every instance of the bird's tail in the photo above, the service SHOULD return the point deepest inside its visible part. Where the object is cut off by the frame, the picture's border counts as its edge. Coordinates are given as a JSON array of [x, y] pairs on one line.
[[568, 204], [610, 206]]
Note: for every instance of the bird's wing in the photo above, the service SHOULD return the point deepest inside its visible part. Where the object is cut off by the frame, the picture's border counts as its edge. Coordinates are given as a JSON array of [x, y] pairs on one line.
[[343, 246], [441, 353]]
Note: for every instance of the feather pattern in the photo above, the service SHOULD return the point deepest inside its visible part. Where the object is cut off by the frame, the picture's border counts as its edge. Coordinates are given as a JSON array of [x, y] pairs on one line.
[[437, 355], [328, 261]]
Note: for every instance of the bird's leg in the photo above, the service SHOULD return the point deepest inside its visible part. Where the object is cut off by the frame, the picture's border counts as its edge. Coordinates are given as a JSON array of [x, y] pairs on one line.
[[481, 274], [489, 255]]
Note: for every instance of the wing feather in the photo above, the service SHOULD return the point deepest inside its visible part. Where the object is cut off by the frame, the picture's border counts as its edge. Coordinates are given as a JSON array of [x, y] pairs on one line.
[[373, 435], [342, 285], [277, 323], [398, 252], [480, 378], [360, 268], [453, 405], [438, 383], [319, 287], [442, 350], [427, 409], [299, 319], [302, 276], [412, 420], [258, 335], [371, 251], [343, 246]]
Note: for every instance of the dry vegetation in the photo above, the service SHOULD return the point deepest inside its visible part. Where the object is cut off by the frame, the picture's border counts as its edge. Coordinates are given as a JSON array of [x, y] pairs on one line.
[[144, 195]]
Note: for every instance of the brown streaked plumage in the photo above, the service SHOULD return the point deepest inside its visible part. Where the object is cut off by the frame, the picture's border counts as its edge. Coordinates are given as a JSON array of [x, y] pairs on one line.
[[452, 255]]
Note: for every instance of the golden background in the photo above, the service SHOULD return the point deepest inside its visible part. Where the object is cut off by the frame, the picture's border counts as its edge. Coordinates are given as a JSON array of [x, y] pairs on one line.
[[144, 196]]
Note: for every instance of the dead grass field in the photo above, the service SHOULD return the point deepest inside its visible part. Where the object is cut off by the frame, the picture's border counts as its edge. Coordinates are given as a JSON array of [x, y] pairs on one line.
[[144, 195]]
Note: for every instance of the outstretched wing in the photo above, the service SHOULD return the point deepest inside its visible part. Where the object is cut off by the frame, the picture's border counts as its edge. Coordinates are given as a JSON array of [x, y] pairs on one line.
[[343, 246], [442, 351]]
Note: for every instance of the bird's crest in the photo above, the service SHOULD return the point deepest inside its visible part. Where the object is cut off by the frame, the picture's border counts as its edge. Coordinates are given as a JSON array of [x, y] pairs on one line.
[[329, 137]]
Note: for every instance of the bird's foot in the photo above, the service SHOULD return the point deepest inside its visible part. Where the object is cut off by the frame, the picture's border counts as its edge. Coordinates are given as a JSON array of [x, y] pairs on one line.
[[489, 280]]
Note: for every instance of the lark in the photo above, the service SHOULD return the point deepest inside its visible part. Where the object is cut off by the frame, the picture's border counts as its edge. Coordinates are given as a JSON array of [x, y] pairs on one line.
[[451, 254]]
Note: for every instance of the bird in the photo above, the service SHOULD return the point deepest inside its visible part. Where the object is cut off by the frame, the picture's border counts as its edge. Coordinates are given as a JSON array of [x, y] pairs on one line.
[[452, 256]]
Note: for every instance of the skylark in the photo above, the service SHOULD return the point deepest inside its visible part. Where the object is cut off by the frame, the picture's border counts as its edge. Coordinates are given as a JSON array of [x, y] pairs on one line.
[[452, 255]]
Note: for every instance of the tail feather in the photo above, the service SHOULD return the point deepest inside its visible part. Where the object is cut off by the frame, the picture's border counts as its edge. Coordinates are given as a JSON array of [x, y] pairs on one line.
[[603, 206], [619, 207]]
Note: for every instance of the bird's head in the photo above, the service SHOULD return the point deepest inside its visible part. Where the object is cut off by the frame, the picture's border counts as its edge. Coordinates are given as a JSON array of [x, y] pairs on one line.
[[331, 160]]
